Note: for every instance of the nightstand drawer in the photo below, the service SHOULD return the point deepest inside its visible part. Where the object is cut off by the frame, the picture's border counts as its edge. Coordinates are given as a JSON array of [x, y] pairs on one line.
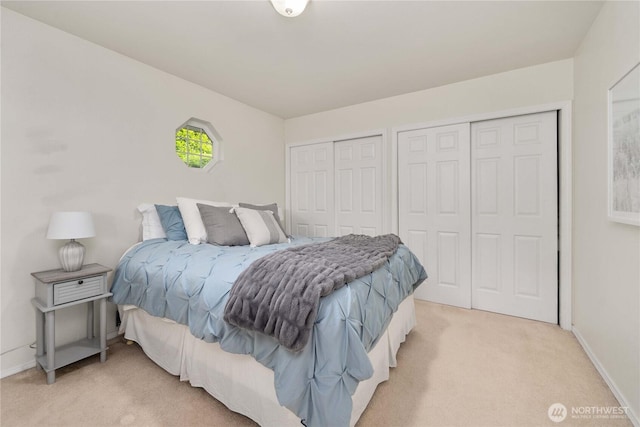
[[74, 290]]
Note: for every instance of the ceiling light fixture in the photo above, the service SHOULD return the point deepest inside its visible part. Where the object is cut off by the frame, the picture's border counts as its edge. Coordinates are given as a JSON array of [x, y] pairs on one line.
[[289, 8]]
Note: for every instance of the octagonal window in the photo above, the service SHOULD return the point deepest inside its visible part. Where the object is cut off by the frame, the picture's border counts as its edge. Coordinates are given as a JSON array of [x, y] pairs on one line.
[[198, 144]]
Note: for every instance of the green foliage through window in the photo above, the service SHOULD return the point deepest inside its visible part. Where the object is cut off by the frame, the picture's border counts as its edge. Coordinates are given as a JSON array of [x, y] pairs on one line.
[[194, 146]]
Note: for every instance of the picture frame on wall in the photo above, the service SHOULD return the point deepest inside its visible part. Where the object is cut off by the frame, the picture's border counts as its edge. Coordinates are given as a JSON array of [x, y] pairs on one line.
[[624, 148]]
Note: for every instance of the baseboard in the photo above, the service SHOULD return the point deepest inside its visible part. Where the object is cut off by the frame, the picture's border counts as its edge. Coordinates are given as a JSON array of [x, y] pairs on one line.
[[17, 360], [17, 369], [23, 358], [633, 417]]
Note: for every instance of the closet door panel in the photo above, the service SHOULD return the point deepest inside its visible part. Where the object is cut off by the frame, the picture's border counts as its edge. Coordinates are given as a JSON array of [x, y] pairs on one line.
[[312, 193], [434, 209], [515, 216], [358, 179]]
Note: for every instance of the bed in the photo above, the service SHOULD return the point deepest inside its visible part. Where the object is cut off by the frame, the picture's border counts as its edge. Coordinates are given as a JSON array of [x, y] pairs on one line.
[[172, 296]]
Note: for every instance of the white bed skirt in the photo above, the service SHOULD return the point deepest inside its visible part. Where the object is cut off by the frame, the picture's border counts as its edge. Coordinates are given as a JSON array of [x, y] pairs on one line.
[[237, 380]]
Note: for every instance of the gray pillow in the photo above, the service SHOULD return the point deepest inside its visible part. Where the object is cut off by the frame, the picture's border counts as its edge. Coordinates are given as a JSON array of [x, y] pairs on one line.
[[223, 228], [273, 207]]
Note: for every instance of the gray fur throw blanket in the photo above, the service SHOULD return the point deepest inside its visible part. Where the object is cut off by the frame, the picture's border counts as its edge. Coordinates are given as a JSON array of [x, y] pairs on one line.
[[279, 294]]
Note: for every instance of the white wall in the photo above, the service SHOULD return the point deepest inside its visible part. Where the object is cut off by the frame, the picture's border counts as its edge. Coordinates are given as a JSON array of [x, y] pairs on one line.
[[540, 84], [84, 128], [606, 267]]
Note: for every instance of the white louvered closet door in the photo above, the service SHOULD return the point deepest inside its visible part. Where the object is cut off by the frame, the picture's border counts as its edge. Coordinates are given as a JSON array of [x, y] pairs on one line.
[[312, 194], [434, 209], [515, 216], [358, 186]]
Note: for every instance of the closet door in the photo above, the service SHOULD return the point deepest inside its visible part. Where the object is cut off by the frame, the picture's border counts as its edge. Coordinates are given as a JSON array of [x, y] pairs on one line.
[[434, 209], [311, 177], [515, 216], [358, 186]]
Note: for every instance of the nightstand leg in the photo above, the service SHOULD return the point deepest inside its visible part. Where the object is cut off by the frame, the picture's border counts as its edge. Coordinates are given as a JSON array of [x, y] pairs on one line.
[[39, 337], [51, 346], [90, 319], [103, 330]]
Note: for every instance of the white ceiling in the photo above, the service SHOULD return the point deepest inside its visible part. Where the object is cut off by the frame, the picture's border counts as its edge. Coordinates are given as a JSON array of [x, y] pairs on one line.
[[337, 53]]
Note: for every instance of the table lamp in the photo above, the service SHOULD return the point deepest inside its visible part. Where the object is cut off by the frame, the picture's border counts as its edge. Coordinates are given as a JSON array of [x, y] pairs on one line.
[[71, 225]]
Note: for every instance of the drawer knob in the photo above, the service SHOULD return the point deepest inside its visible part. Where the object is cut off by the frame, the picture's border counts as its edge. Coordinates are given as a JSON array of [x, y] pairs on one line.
[[80, 282]]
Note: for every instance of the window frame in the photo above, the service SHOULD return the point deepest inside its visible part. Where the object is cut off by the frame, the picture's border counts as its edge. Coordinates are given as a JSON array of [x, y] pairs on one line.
[[216, 142]]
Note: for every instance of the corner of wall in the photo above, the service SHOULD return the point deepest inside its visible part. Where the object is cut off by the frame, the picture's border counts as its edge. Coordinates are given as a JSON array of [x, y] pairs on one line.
[[17, 360]]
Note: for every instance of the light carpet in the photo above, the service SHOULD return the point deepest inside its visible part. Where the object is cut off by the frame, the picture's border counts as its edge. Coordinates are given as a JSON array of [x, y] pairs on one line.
[[457, 368]]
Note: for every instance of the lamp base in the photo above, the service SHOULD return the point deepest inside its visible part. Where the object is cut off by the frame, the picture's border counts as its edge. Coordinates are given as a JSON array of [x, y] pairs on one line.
[[71, 256]]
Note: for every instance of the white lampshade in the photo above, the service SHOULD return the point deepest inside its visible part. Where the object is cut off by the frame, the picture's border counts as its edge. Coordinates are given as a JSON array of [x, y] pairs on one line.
[[289, 8], [71, 225]]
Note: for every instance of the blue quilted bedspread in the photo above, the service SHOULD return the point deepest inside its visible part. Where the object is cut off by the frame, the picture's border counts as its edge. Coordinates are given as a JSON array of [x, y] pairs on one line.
[[190, 284]]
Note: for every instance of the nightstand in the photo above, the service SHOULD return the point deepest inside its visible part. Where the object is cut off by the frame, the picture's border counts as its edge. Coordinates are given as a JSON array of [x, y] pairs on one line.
[[58, 289]]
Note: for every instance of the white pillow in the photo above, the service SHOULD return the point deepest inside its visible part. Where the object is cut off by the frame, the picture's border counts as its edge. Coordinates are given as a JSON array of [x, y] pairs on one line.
[[151, 225], [261, 226], [196, 233]]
